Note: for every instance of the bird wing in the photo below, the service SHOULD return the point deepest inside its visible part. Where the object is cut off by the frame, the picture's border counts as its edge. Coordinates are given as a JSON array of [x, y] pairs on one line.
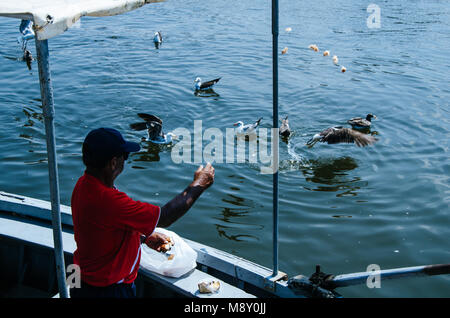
[[154, 129], [251, 127], [148, 118], [346, 135], [209, 83], [138, 126]]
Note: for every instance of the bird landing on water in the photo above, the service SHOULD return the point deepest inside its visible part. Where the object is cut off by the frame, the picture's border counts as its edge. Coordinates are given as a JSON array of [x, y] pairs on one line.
[[155, 134], [338, 134]]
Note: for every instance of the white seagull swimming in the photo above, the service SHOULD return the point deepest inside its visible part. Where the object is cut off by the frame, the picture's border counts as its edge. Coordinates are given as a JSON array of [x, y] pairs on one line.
[[157, 37], [248, 129], [206, 85]]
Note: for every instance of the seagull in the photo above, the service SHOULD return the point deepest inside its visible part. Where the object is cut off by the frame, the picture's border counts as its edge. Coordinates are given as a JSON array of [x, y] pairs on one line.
[[207, 85], [338, 134], [157, 39], [285, 131], [361, 123], [314, 47], [246, 129], [27, 57], [335, 59], [153, 124]]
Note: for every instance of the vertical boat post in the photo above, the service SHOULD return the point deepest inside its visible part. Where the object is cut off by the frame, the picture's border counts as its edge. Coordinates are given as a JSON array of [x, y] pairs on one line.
[[48, 111], [270, 282], [275, 135]]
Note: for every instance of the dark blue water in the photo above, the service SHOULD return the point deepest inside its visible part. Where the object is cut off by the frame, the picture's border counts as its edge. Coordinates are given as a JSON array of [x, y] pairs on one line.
[[340, 206]]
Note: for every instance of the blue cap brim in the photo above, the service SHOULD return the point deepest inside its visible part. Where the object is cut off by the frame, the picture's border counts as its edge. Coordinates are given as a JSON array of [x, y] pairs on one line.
[[129, 146]]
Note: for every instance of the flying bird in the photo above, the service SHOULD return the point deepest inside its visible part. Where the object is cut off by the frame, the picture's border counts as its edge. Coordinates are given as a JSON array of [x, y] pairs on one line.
[[153, 124], [285, 130], [206, 85], [246, 129], [338, 134], [361, 123]]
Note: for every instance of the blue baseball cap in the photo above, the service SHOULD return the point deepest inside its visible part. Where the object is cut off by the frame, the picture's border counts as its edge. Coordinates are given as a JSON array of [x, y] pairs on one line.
[[102, 144]]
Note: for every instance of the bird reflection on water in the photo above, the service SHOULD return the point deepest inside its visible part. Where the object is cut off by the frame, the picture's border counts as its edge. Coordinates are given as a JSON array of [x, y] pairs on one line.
[[206, 93], [149, 152], [331, 175]]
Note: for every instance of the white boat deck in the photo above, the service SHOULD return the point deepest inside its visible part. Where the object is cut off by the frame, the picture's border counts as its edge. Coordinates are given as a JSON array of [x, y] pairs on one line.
[[186, 285]]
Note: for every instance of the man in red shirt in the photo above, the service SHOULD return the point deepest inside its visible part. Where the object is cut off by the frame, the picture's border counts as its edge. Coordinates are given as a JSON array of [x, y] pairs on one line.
[[109, 226]]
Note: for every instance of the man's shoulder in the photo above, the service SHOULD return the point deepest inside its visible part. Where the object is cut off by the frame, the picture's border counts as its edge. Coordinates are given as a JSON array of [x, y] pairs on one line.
[[89, 188]]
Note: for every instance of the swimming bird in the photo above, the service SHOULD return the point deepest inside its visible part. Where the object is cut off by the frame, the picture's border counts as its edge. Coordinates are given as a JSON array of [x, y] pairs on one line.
[[27, 57], [338, 134], [314, 47], [157, 39], [284, 51], [361, 123], [153, 124], [206, 85], [335, 59], [343, 69], [246, 129], [326, 53], [285, 130]]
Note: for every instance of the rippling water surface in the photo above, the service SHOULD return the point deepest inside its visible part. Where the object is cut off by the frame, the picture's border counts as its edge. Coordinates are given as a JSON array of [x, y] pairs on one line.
[[340, 206]]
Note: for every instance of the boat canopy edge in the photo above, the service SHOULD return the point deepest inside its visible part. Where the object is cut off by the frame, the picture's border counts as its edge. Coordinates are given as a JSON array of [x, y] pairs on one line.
[[54, 17]]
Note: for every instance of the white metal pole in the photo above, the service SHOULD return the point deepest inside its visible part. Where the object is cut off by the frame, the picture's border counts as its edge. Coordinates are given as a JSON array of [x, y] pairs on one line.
[[49, 111]]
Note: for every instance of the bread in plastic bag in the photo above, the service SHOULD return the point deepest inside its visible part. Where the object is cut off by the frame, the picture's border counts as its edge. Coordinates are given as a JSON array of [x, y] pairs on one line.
[[181, 260]]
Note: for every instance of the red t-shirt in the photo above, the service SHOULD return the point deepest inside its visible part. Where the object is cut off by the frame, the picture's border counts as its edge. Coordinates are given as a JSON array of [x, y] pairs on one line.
[[107, 227]]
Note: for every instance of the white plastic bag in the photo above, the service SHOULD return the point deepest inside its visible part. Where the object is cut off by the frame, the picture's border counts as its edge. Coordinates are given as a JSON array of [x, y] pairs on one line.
[[183, 259]]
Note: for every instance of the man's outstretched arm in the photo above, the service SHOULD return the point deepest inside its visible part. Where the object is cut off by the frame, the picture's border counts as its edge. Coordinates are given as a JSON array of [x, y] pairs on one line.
[[178, 206]]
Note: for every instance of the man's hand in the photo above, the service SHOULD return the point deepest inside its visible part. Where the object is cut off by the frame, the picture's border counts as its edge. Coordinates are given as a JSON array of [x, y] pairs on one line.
[[204, 177], [157, 241]]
